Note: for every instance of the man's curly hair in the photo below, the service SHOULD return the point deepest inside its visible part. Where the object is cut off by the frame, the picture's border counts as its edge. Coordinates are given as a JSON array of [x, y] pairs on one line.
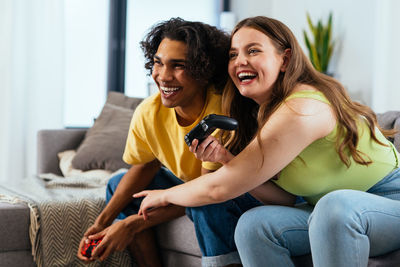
[[207, 49]]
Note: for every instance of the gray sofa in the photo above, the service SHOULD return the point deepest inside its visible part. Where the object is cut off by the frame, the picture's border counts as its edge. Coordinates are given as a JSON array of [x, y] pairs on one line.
[[176, 239]]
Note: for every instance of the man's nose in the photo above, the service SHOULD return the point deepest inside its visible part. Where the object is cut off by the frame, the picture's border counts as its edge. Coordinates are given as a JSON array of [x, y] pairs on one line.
[[165, 74]]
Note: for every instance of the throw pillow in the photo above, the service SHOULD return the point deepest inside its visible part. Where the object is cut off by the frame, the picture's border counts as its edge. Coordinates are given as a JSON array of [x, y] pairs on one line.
[[121, 100], [104, 143], [67, 170]]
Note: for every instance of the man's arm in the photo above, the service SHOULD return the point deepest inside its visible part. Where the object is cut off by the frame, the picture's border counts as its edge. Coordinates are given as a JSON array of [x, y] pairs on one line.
[[137, 178], [119, 235]]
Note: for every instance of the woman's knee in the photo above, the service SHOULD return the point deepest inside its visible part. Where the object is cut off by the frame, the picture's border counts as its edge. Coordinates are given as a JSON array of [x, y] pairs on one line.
[[246, 228], [337, 207], [253, 224]]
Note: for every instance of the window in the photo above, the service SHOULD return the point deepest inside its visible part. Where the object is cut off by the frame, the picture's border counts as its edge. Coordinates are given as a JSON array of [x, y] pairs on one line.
[[85, 73]]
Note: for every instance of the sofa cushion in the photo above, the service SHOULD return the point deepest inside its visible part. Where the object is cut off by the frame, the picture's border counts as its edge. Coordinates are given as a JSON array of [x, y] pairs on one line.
[[391, 120], [104, 142], [178, 235], [14, 227], [18, 258]]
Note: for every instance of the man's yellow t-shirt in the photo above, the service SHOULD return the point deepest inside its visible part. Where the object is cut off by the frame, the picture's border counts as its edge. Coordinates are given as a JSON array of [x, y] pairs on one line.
[[155, 133]]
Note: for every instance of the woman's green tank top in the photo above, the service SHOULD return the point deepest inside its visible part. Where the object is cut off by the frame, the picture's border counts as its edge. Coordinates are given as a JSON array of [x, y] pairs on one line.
[[318, 170]]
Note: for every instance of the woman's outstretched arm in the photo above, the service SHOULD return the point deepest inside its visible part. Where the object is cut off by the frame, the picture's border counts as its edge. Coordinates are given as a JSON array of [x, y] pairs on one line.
[[293, 127]]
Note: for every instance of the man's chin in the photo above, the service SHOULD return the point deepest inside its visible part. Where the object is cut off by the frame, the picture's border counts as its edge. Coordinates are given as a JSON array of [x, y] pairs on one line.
[[167, 103]]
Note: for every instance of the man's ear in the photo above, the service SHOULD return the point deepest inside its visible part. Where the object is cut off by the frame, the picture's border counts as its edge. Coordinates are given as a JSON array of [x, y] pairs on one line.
[[287, 54]]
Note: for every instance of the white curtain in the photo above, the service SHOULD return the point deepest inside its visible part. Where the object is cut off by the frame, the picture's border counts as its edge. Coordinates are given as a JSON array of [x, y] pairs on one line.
[[31, 80]]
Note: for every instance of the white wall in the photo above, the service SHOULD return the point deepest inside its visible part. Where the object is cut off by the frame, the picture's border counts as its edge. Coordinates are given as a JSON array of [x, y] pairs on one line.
[[386, 90], [32, 86], [5, 83], [51, 74], [366, 37], [393, 57]]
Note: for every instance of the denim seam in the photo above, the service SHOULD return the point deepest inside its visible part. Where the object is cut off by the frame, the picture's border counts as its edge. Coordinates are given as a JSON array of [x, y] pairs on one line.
[[358, 254], [292, 229], [280, 234], [383, 194], [368, 232], [288, 263], [376, 211]]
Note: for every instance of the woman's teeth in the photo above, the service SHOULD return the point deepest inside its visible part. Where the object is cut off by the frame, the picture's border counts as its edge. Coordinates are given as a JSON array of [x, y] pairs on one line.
[[246, 76], [169, 90]]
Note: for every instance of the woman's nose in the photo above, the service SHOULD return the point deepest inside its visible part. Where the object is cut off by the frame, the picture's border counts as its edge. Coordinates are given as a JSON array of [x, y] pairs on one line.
[[240, 60]]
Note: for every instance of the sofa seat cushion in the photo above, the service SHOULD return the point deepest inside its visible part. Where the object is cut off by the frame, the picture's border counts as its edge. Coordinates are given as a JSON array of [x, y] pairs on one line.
[[14, 227], [21, 258], [178, 235]]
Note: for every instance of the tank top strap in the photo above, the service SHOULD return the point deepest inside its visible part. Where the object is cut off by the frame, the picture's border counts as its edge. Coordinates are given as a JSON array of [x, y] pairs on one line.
[[317, 95]]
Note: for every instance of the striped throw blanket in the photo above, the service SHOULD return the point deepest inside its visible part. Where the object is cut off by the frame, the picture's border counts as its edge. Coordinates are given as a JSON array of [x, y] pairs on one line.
[[61, 211]]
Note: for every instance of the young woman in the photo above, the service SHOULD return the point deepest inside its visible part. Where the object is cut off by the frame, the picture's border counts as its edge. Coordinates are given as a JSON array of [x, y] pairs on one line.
[[318, 144]]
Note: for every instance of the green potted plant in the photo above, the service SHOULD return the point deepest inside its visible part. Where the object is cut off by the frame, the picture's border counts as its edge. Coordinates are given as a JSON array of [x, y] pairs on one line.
[[320, 50]]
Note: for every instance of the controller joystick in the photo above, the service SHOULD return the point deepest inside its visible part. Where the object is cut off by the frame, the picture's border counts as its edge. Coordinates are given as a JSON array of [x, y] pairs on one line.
[[88, 248], [208, 125]]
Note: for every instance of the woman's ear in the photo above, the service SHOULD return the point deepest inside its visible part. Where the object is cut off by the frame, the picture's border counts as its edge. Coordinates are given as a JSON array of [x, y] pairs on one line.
[[287, 54]]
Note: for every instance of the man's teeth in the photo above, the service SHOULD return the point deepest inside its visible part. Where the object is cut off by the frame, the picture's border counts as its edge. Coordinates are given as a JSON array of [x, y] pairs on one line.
[[169, 90]]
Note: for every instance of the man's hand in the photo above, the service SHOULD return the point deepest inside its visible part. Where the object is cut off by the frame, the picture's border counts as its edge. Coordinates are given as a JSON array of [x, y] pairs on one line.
[[153, 199], [210, 150], [94, 229], [116, 237]]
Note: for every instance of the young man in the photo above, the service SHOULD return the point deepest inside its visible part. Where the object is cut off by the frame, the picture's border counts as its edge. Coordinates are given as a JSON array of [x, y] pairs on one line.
[[188, 62]]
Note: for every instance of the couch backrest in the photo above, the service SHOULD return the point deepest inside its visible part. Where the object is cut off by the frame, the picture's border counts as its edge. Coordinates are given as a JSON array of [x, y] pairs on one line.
[[391, 120]]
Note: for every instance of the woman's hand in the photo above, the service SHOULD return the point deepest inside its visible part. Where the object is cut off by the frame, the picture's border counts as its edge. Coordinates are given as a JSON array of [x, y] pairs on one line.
[[210, 150], [152, 199]]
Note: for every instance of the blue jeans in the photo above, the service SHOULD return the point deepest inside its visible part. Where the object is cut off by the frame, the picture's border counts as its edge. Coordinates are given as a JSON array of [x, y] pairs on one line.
[[162, 180], [214, 224], [215, 227], [343, 229]]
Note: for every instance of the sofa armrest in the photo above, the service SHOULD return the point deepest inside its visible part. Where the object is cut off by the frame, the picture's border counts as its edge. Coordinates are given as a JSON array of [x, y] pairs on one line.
[[51, 142]]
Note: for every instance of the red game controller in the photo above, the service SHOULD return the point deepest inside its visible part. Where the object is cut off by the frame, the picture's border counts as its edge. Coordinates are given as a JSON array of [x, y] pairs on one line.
[[89, 247]]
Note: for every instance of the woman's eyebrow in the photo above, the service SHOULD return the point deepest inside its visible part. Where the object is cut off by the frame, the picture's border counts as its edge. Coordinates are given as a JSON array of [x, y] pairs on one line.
[[253, 43], [247, 45]]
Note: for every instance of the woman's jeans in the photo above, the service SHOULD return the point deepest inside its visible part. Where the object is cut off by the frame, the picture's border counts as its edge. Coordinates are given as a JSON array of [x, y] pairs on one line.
[[215, 228], [345, 228], [214, 224]]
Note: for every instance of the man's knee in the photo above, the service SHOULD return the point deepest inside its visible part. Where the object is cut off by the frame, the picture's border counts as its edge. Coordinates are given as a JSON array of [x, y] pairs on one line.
[[208, 212], [112, 185]]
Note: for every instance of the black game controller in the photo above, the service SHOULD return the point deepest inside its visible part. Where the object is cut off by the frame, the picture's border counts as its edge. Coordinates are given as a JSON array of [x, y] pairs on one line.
[[208, 125]]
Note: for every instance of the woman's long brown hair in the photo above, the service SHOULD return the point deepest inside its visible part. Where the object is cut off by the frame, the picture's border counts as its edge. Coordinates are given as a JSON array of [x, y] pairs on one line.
[[299, 71]]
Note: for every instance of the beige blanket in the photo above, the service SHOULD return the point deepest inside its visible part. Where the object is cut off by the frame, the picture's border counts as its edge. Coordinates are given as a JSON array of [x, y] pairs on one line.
[[61, 211]]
